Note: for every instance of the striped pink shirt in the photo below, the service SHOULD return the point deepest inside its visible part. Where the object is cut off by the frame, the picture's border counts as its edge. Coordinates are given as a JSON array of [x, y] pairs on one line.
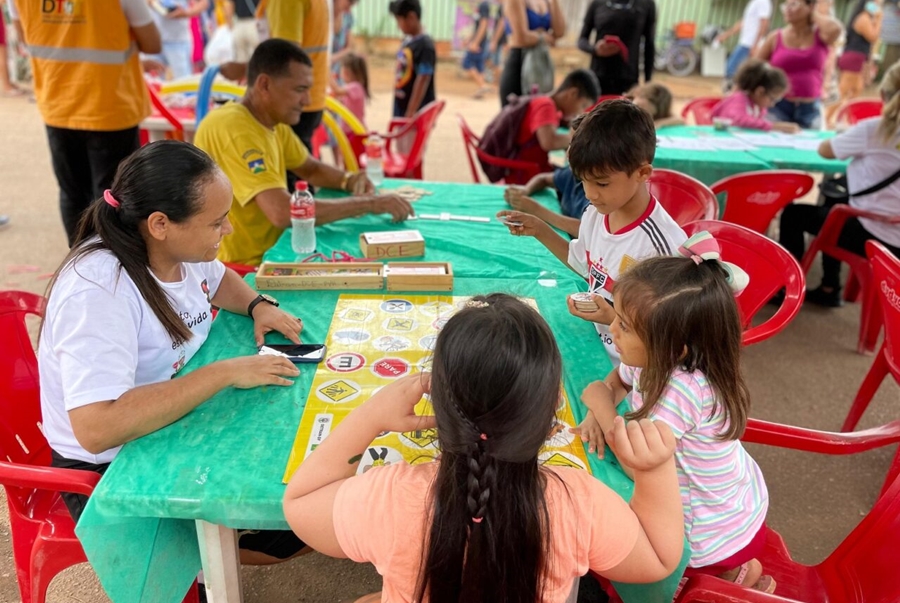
[[722, 489]]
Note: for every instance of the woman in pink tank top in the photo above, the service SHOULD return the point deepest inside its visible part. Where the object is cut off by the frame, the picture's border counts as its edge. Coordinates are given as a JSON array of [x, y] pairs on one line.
[[801, 49]]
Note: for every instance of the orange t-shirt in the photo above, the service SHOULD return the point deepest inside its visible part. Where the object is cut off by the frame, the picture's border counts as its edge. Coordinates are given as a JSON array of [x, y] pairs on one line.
[[380, 517]]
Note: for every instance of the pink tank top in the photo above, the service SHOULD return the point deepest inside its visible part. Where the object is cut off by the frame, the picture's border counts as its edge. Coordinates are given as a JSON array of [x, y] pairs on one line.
[[804, 66]]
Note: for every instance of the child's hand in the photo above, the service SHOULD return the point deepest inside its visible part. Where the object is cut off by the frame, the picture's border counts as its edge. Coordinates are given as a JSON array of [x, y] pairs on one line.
[[393, 408], [521, 224], [642, 445], [519, 200], [604, 314], [590, 432], [598, 395]]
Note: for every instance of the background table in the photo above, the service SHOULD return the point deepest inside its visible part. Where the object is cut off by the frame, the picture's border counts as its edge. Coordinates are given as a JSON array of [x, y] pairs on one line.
[[220, 467], [711, 166]]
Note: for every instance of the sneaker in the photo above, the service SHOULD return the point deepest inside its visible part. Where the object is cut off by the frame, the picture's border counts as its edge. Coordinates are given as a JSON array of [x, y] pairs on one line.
[[826, 299]]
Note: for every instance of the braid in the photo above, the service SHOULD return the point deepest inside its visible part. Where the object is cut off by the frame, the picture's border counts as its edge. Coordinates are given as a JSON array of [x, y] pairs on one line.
[[480, 482]]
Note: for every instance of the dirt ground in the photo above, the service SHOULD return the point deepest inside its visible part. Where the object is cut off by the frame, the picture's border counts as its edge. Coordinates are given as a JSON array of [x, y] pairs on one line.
[[807, 375]]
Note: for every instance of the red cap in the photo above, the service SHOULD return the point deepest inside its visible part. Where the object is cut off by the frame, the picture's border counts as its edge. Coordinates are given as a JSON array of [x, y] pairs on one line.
[[301, 185]]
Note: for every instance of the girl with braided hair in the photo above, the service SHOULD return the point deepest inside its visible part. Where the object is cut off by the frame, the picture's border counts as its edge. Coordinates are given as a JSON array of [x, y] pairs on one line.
[[486, 522]]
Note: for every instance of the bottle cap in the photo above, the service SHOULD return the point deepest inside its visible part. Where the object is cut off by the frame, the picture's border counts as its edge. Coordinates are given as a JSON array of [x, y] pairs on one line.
[[301, 185]]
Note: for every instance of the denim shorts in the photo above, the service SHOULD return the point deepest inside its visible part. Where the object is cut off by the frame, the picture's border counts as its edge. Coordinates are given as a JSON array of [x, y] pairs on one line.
[[474, 60], [806, 115]]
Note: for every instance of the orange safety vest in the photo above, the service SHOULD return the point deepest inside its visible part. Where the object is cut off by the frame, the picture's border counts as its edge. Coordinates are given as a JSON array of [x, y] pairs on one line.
[[87, 72]]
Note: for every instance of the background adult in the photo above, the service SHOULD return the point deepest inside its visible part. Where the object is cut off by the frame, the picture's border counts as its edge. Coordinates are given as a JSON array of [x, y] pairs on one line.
[[619, 27], [855, 64], [801, 49], [130, 306], [753, 25], [873, 147], [244, 33], [342, 36], [91, 106], [890, 34], [530, 22], [173, 19]]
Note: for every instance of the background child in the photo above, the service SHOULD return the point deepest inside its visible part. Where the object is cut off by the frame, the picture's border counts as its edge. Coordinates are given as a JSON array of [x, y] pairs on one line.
[[678, 330], [655, 99], [353, 91], [758, 87], [485, 522], [569, 191], [611, 153], [416, 60]]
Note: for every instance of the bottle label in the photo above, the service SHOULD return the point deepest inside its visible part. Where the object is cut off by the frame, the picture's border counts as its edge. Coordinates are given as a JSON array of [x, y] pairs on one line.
[[303, 211]]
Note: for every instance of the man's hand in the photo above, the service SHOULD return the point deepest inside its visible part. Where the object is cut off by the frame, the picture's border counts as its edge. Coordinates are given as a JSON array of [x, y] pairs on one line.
[[399, 208], [359, 184]]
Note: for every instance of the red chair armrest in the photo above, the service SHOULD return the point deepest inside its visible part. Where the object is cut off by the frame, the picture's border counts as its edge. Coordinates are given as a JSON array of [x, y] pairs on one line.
[[822, 442], [711, 589], [48, 478]]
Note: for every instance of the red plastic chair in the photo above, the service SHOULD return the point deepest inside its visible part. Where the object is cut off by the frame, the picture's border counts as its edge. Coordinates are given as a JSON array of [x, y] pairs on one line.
[[770, 268], [160, 107], [752, 199], [860, 271], [414, 133], [686, 199], [885, 286], [43, 533], [525, 170], [701, 109], [862, 569], [859, 109]]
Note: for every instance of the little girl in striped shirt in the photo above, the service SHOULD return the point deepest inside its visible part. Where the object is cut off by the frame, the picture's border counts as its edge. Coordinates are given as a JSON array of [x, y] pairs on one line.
[[678, 333]]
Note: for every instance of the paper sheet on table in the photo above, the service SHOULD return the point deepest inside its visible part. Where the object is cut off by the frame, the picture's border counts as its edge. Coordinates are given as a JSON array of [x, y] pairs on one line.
[[729, 143], [684, 144], [801, 142]]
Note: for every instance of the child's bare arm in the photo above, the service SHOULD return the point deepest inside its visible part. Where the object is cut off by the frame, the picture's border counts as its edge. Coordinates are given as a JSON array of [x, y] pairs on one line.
[[539, 183]]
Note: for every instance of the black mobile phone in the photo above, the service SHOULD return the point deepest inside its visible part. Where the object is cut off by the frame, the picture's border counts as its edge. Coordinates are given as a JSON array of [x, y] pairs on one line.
[[304, 352]]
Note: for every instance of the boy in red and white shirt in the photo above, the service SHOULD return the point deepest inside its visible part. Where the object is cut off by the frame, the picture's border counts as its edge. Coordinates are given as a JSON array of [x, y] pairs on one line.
[[611, 153]]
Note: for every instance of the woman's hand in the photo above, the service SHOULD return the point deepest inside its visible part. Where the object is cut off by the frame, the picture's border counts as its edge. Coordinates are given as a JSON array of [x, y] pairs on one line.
[[247, 372], [393, 408], [590, 432], [642, 445], [268, 318]]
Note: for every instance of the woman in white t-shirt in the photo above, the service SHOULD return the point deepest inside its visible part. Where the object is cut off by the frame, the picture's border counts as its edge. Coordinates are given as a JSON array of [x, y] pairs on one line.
[[132, 303], [873, 147]]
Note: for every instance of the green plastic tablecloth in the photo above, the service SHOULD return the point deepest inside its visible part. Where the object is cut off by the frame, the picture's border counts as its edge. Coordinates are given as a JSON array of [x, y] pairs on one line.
[[479, 250]]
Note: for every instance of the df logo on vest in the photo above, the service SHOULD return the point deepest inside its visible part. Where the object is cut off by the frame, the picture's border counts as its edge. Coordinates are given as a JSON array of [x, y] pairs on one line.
[[63, 8]]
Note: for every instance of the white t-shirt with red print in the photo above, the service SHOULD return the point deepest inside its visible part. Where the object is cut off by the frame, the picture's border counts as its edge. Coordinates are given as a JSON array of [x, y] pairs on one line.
[[101, 338], [602, 256]]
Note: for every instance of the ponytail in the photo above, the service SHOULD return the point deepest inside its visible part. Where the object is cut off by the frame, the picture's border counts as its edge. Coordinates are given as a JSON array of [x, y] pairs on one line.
[[890, 95], [166, 177]]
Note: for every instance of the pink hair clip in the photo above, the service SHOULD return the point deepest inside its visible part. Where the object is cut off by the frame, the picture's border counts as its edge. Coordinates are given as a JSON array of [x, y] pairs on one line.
[[477, 519], [108, 197], [483, 436]]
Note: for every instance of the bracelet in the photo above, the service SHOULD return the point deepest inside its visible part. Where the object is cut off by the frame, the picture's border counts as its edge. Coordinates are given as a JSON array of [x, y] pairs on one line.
[[345, 181]]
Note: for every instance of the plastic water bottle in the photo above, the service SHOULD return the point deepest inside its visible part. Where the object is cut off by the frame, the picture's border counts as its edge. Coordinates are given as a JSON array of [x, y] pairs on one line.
[[374, 152], [303, 219]]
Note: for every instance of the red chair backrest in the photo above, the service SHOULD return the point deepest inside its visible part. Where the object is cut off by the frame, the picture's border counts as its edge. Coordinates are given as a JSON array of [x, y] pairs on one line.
[[857, 110], [166, 113], [686, 199], [423, 123], [861, 568], [701, 108], [753, 198], [524, 169], [886, 281], [770, 268], [21, 439], [470, 141]]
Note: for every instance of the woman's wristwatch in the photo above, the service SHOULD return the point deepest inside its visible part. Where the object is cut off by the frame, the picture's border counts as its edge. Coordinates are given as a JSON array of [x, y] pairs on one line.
[[262, 297]]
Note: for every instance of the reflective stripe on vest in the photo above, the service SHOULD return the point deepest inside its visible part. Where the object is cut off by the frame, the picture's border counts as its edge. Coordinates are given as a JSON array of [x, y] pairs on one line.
[[314, 49], [82, 55]]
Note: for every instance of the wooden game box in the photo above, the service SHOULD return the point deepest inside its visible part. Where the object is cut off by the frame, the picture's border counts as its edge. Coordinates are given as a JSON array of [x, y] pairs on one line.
[[338, 275], [419, 276], [392, 244]]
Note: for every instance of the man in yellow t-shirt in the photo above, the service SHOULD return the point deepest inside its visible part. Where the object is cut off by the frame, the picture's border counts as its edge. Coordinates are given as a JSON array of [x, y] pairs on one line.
[[252, 142]]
